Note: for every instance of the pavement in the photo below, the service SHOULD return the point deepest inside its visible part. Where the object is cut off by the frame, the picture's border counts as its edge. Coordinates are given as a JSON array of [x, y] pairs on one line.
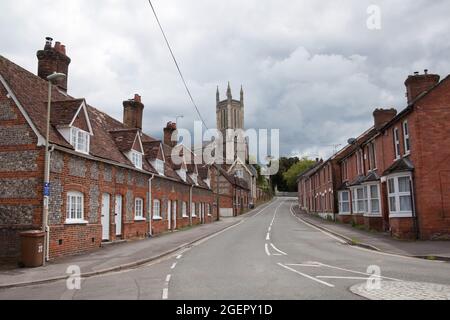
[[378, 241], [270, 254], [115, 257]]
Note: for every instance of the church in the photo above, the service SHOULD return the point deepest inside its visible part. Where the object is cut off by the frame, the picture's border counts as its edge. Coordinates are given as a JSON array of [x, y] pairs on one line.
[[230, 114]]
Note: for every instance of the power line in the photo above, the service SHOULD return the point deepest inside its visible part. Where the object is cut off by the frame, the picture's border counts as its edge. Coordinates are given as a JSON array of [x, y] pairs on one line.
[[177, 65]]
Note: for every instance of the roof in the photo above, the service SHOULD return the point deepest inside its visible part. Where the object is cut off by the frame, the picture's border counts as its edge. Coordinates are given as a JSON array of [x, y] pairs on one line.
[[401, 165], [111, 138], [307, 173]]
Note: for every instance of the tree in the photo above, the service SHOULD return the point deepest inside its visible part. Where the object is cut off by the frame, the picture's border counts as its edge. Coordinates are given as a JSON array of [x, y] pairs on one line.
[[290, 176], [278, 179]]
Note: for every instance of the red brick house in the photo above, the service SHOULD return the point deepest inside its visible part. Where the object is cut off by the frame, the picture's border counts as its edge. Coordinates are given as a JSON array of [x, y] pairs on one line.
[[395, 176], [109, 180]]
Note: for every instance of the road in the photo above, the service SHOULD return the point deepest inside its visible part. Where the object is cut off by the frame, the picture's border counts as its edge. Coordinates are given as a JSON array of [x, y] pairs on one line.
[[270, 255]]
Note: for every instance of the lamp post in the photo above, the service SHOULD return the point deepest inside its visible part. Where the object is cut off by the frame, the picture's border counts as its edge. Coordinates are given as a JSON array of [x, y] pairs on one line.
[[51, 78]]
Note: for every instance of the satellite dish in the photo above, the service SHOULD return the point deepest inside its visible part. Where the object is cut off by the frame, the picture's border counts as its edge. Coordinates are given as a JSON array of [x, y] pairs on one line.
[[351, 141]]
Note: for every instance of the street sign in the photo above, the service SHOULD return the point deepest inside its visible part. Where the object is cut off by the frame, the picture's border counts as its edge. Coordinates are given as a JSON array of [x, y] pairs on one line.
[[47, 189]]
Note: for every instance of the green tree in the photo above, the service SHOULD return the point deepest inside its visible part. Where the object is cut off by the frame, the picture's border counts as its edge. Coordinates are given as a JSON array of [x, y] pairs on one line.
[[278, 179], [290, 176]]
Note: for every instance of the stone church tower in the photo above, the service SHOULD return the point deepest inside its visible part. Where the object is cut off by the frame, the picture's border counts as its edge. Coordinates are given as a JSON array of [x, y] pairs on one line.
[[230, 112], [230, 115]]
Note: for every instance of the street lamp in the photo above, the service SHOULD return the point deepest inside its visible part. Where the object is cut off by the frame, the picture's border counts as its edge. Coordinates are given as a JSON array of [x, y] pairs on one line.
[[51, 78]]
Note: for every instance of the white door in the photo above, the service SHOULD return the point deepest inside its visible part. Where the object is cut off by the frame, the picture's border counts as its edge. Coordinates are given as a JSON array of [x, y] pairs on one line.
[[174, 214], [118, 215], [169, 214], [105, 216]]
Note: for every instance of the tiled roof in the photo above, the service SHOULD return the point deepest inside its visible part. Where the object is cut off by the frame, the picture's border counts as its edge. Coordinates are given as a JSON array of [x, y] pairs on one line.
[[111, 137], [402, 165], [357, 181]]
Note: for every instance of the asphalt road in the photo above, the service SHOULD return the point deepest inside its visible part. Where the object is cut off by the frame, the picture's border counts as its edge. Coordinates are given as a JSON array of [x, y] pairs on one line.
[[270, 255]]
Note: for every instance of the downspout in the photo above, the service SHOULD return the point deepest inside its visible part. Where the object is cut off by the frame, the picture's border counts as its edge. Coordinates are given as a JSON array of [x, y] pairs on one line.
[[150, 206], [414, 212], [190, 205]]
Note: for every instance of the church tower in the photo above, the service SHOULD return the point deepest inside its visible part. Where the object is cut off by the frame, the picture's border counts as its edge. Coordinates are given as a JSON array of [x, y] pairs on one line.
[[230, 112], [230, 115]]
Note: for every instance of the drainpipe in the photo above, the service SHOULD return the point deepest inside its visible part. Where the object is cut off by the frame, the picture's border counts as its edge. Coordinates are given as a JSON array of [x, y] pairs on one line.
[[150, 206], [190, 205], [414, 212]]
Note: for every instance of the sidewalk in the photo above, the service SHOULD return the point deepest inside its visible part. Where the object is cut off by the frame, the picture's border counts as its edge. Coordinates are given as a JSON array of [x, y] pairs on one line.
[[433, 250], [120, 256]]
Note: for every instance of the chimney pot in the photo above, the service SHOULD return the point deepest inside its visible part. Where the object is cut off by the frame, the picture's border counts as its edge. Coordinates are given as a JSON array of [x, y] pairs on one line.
[[169, 130], [137, 98], [133, 110], [383, 116]]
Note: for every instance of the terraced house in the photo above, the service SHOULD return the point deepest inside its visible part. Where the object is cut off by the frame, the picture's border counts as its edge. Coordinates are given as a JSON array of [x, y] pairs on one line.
[[396, 176], [108, 180]]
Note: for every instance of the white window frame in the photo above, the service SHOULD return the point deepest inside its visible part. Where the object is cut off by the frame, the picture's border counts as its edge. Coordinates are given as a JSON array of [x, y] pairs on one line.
[[342, 201], [369, 211], [396, 195], [406, 138], [139, 209], [184, 210], [356, 200], [208, 209], [157, 209], [75, 208], [136, 159], [397, 151], [372, 160], [80, 140], [174, 209], [193, 210]]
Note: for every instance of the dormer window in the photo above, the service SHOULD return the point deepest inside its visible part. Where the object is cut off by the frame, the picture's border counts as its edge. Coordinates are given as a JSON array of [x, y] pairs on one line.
[[208, 182], [194, 178], [136, 159], [159, 166], [182, 174], [79, 139]]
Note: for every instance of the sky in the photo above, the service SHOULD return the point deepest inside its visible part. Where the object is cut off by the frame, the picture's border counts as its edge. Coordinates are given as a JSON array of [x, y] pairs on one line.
[[316, 70]]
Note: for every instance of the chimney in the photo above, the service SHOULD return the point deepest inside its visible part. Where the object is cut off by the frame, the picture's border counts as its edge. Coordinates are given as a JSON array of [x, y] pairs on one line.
[[53, 59], [169, 130], [133, 110], [419, 83], [383, 116]]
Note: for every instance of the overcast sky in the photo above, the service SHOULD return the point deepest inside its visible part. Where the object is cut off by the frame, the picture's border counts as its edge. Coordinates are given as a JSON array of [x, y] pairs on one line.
[[311, 68]]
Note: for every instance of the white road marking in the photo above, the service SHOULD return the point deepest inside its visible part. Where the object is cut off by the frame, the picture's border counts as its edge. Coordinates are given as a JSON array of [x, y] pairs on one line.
[[303, 265], [267, 249], [278, 250], [306, 276], [346, 278], [173, 266], [357, 272], [168, 278], [179, 256], [268, 236], [165, 294]]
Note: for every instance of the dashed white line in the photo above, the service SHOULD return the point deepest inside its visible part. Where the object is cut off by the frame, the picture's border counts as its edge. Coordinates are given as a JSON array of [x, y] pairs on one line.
[[179, 257], [278, 250], [173, 266], [267, 249], [346, 278], [268, 236], [306, 276], [168, 278], [165, 294]]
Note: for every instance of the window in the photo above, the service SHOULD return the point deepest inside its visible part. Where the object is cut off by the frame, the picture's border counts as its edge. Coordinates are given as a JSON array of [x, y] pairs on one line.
[[396, 143], [182, 174], [159, 166], [136, 159], [374, 199], [157, 209], [406, 139], [400, 202], [75, 207], [344, 202], [372, 156], [79, 139], [208, 209], [138, 209], [359, 200], [184, 209], [193, 211], [240, 173]]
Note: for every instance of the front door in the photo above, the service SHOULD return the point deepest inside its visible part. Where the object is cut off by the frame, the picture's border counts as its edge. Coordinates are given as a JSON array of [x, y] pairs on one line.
[[169, 215], [118, 215], [105, 216]]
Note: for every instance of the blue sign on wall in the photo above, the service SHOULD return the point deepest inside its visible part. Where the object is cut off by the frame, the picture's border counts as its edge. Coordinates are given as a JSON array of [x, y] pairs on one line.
[[46, 189]]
